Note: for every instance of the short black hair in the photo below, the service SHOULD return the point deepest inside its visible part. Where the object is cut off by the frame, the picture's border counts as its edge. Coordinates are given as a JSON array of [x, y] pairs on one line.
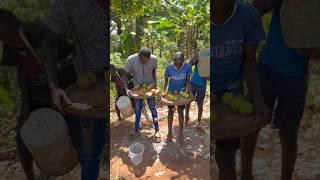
[[146, 52], [179, 54], [8, 20]]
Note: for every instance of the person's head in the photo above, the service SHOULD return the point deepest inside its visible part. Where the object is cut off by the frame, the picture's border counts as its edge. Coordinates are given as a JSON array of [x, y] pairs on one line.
[[113, 70], [178, 58], [223, 5], [144, 55], [9, 28]]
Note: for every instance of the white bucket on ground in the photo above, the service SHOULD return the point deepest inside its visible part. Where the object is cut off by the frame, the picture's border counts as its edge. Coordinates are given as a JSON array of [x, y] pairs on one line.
[[136, 151], [204, 62], [125, 106], [47, 137]]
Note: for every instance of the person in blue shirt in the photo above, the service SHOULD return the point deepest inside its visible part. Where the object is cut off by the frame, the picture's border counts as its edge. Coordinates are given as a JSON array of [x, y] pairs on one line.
[[179, 74], [198, 85], [236, 30], [284, 72]]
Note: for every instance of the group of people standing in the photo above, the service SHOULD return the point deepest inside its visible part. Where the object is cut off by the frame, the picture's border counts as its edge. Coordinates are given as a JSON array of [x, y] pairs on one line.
[[141, 68]]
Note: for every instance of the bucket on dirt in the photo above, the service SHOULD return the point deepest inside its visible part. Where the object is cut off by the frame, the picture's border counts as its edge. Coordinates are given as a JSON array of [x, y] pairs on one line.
[[46, 135], [136, 151], [204, 62], [125, 106]]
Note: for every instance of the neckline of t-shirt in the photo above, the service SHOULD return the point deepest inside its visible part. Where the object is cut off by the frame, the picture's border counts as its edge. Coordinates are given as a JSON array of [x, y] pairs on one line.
[[177, 68], [235, 7]]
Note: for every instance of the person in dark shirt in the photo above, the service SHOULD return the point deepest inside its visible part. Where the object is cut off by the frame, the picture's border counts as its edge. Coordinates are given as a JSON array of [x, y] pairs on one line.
[[31, 75], [116, 77]]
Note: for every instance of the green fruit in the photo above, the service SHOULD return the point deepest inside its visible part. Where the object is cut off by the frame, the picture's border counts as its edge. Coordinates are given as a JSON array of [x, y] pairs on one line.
[[243, 97], [136, 86], [83, 83], [246, 108], [92, 76], [227, 98], [235, 104]]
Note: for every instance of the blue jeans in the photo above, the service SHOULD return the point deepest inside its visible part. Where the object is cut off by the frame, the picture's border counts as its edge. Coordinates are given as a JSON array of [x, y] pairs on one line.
[[152, 107], [92, 141]]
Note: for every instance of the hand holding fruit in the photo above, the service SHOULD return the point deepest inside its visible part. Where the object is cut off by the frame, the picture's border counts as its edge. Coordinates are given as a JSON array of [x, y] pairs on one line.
[[128, 91]]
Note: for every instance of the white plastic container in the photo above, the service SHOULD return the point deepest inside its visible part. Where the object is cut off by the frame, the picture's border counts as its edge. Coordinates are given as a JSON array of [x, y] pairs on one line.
[[125, 106], [135, 154], [204, 62], [46, 135]]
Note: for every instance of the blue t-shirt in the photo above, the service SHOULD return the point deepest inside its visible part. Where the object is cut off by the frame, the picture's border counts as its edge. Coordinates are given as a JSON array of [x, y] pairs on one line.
[[196, 79], [178, 77], [276, 54], [244, 27]]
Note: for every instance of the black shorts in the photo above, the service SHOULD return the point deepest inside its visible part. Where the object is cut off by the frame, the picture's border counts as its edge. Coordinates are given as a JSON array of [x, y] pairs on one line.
[[290, 94]]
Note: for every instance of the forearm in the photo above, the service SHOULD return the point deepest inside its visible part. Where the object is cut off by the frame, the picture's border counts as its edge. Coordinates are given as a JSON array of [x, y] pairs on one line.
[[252, 78], [125, 79], [50, 57], [165, 84], [262, 5], [154, 74], [23, 86], [189, 88]]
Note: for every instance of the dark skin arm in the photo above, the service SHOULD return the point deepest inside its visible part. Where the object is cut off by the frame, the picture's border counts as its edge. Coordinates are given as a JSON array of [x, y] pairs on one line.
[[154, 75], [189, 86], [263, 6], [165, 84], [23, 85], [50, 55], [252, 78], [50, 47]]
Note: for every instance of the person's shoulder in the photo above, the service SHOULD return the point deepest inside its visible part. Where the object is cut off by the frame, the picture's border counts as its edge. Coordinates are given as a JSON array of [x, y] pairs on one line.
[[132, 57], [247, 11], [169, 66], [187, 65]]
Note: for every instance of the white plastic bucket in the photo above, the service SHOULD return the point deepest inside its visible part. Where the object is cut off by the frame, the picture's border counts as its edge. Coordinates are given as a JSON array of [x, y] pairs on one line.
[[204, 62], [135, 154], [125, 106]]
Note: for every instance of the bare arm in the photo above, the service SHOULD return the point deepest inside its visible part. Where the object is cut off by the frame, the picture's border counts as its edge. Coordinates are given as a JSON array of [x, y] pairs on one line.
[[252, 77], [165, 84], [154, 75], [23, 85], [189, 88], [263, 6], [194, 60], [50, 56]]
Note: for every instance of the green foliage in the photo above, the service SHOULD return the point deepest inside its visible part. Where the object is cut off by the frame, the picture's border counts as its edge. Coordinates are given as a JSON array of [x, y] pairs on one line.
[[27, 10]]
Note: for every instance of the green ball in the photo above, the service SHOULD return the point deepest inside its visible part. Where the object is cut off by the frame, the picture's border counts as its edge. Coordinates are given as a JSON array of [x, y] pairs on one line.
[[227, 98], [246, 108], [243, 97], [235, 104]]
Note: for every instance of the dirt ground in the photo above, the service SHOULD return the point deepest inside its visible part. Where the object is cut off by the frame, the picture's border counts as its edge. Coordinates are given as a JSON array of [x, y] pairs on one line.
[[163, 160]]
